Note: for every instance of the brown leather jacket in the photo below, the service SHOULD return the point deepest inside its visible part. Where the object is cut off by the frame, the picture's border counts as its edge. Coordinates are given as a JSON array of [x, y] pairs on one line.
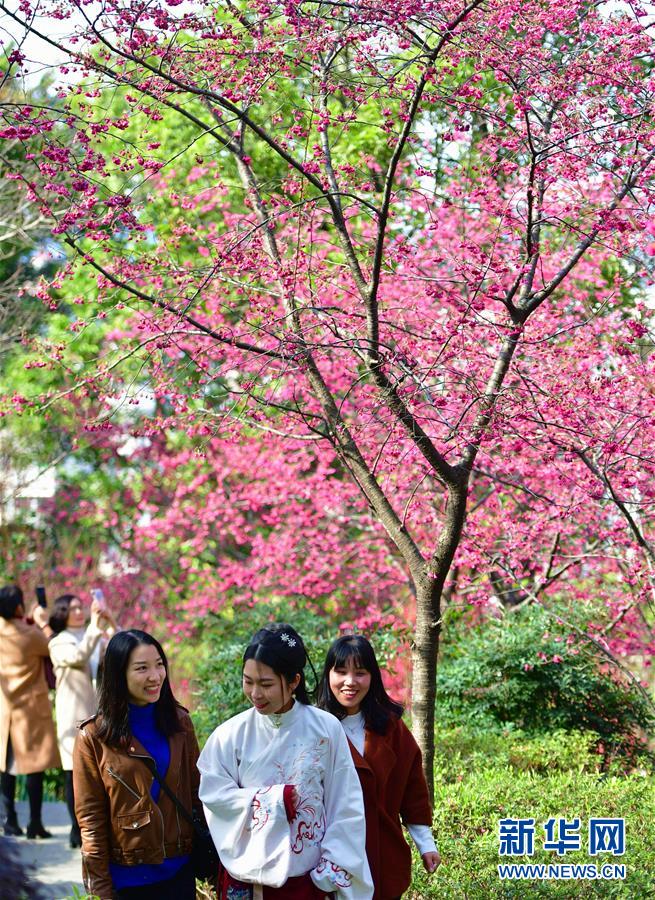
[[119, 820]]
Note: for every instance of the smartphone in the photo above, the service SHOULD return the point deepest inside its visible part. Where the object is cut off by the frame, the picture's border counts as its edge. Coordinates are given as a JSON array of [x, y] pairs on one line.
[[98, 596], [40, 596]]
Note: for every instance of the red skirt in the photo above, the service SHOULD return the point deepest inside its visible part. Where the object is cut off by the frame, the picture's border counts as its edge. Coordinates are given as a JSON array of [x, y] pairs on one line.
[[301, 888]]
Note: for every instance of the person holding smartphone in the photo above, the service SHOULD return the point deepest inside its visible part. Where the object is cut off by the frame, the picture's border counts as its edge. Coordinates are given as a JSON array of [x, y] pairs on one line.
[[71, 651], [28, 745]]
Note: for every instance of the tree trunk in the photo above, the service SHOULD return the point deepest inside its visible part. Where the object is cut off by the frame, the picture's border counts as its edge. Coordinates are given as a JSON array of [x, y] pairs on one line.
[[429, 592], [424, 673]]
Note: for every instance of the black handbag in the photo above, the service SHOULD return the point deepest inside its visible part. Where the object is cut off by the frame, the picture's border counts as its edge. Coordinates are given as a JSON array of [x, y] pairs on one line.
[[204, 857]]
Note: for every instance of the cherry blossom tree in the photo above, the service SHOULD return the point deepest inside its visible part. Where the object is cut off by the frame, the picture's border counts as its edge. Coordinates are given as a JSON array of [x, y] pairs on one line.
[[406, 234]]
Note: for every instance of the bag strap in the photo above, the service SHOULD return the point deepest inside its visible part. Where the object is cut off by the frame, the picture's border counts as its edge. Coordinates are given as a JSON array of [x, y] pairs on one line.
[[150, 763]]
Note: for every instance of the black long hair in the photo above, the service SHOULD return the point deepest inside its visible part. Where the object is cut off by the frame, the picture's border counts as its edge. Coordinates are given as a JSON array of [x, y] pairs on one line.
[[58, 620], [113, 722], [280, 646], [377, 706]]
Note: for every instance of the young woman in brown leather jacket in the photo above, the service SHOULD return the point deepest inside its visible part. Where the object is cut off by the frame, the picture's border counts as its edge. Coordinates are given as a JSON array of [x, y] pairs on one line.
[[135, 845]]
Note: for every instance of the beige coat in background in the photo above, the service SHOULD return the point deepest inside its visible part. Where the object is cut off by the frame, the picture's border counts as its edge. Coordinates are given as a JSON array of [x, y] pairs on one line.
[[25, 712], [75, 700]]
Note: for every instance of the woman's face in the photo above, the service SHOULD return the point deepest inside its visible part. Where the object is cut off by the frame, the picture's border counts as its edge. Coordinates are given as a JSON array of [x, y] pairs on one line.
[[75, 614], [349, 684], [267, 691], [145, 675]]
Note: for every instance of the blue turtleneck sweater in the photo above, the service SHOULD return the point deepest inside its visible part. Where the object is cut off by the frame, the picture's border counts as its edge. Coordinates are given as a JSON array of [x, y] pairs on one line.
[[144, 728]]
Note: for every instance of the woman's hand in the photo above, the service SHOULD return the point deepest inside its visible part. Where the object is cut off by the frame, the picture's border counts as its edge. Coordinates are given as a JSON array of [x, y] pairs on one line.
[[97, 615], [39, 615], [431, 861], [41, 619], [102, 618]]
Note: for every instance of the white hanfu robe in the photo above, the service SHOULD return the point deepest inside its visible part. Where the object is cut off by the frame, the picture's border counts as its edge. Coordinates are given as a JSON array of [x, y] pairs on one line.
[[244, 767]]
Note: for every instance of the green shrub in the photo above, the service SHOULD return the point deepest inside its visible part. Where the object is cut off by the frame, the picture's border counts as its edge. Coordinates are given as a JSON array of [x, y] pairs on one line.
[[460, 750], [468, 809], [527, 671]]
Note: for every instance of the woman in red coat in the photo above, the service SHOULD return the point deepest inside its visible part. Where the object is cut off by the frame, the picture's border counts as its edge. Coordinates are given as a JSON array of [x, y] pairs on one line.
[[388, 762]]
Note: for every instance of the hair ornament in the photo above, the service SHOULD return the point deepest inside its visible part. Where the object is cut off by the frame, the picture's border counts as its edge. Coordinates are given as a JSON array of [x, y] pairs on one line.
[[288, 640]]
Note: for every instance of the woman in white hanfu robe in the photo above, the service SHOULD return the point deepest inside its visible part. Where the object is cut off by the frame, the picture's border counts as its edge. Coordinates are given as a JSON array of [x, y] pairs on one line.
[[282, 796]]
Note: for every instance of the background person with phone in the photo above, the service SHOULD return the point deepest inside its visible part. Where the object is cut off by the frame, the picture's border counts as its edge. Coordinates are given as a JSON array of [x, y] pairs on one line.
[[28, 745], [71, 650]]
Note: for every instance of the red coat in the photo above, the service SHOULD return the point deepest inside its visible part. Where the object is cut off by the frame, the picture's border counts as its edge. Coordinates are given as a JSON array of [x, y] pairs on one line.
[[394, 788]]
